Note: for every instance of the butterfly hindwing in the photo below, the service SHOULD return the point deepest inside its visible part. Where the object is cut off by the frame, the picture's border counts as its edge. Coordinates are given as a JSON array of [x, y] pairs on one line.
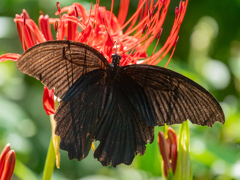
[[58, 64], [78, 114], [174, 97], [120, 130], [96, 107]]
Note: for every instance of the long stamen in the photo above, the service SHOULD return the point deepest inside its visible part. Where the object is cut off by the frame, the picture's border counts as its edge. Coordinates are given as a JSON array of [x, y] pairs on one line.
[[60, 33], [76, 11], [90, 13], [159, 55], [111, 11], [134, 15], [158, 38], [135, 38], [108, 32], [174, 47]]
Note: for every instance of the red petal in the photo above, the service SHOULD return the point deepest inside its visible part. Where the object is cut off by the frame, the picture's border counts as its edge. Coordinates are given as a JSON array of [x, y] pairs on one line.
[[108, 47], [45, 27], [84, 35], [71, 26], [81, 10], [48, 101], [9, 56]]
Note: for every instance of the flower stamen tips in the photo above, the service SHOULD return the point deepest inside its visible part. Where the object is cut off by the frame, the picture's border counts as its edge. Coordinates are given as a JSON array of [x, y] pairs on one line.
[[176, 40], [58, 7], [153, 9], [181, 4], [56, 25], [76, 11], [149, 13], [144, 28], [176, 12], [159, 33], [42, 13], [24, 19]]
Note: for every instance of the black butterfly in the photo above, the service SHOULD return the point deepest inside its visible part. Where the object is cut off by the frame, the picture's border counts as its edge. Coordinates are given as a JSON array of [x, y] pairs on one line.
[[116, 105]]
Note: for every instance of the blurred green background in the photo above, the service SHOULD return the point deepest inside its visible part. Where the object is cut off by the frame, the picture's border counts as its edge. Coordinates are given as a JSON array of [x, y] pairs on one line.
[[208, 52]]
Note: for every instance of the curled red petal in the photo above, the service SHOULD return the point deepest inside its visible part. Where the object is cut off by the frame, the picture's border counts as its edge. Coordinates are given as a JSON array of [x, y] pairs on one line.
[[115, 26], [85, 34], [81, 11], [48, 101], [9, 56], [140, 54], [45, 27], [108, 46], [39, 37]]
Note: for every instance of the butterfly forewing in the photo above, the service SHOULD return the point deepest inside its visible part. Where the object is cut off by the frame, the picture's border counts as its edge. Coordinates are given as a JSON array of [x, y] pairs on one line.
[[174, 97], [58, 64], [120, 130]]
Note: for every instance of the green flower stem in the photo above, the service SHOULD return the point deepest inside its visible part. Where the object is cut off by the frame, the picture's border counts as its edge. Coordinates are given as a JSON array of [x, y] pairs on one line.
[[50, 162], [183, 170], [170, 175]]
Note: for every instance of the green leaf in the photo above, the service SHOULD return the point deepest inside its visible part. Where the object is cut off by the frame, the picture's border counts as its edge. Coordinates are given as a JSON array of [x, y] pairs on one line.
[[23, 172]]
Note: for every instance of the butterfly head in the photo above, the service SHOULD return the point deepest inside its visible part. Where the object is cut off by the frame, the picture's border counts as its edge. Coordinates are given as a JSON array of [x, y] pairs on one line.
[[116, 60]]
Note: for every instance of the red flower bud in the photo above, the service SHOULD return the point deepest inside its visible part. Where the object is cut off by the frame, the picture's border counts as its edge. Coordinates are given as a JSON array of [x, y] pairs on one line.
[[7, 163]]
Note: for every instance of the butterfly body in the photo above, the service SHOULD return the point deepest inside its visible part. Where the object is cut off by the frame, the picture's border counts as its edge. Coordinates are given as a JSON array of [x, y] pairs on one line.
[[116, 105], [114, 66]]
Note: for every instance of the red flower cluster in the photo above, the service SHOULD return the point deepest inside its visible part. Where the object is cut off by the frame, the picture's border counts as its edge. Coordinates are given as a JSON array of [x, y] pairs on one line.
[[100, 29]]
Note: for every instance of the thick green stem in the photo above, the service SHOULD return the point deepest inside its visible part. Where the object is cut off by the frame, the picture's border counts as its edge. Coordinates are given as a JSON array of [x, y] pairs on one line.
[[50, 162]]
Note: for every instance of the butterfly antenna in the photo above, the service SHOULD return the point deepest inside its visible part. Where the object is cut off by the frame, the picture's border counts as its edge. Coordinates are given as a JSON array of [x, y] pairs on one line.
[[116, 48]]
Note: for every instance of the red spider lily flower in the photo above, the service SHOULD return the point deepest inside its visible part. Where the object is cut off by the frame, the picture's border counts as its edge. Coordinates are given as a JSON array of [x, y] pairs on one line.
[[7, 163], [101, 29], [168, 150]]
